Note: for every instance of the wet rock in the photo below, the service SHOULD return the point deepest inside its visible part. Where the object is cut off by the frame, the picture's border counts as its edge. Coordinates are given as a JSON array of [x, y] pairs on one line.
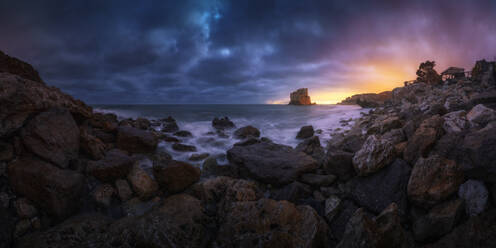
[[245, 132], [54, 136], [481, 115], [144, 186], [115, 165], [338, 162], [54, 190], [270, 163], [383, 231], [198, 156], [305, 132], [247, 142], [142, 123], [475, 195], [161, 157], [424, 138], [183, 148], [432, 180], [135, 140], [476, 232], [269, 223], [210, 168], [169, 139], [175, 176], [332, 207], [123, 190], [103, 194], [455, 122], [222, 123], [25, 209], [169, 125], [183, 133], [374, 155], [377, 191], [439, 221], [6, 151], [312, 148], [106, 122], [317, 180]]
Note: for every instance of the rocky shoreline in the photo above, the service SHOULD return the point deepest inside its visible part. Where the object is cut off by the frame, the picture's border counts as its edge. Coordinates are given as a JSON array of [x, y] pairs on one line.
[[417, 171]]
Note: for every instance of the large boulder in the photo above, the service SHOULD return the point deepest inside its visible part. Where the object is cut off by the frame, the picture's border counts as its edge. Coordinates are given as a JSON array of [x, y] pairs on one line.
[[56, 191], [91, 145], [477, 153], [339, 163], [424, 138], [455, 122], [476, 196], [142, 183], [481, 115], [136, 140], [312, 147], [245, 132], [305, 132], [438, 221], [222, 123], [374, 155], [175, 176], [378, 190], [270, 163], [270, 223], [115, 165], [54, 136], [433, 179]]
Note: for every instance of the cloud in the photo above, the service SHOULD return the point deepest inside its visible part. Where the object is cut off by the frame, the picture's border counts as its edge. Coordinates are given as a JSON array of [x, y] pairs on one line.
[[215, 51]]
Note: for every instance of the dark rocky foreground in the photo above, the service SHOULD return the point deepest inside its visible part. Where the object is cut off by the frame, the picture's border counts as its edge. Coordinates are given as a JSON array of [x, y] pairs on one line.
[[417, 171]]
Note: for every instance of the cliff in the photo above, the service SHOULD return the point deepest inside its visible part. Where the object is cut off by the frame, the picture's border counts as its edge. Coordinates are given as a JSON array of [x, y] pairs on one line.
[[300, 97], [368, 100]]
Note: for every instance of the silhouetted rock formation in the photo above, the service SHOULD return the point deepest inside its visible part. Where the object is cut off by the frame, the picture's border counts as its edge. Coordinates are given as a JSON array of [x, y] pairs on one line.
[[300, 97], [17, 67], [368, 100]]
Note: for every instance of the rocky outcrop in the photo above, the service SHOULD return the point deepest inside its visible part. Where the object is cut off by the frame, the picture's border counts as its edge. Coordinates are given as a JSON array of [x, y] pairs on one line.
[[115, 165], [135, 140], [222, 123], [270, 163], [300, 97], [17, 67], [368, 100], [305, 132], [374, 155], [245, 132]]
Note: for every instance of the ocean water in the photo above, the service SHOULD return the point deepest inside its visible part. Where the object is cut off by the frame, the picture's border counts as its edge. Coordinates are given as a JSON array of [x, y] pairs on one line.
[[280, 123]]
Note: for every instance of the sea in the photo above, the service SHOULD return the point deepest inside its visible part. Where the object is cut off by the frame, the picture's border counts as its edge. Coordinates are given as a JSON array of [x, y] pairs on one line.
[[280, 123]]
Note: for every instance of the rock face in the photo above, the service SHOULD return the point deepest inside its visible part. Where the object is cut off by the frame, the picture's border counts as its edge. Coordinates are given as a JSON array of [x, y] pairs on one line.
[[55, 190], [424, 138], [175, 176], [270, 163], [374, 155], [135, 140], [17, 67], [300, 97], [54, 136], [369, 100], [433, 179]]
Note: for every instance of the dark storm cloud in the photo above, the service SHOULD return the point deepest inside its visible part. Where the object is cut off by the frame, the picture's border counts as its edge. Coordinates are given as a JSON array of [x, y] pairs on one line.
[[249, 51]]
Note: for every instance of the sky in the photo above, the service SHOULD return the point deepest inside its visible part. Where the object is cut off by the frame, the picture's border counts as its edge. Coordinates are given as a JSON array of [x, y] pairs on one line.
[[241, 51]]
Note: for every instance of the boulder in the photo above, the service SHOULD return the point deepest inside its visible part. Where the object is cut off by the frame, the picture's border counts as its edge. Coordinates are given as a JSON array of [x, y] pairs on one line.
[[394, 136], [475, 195], [317, 180], [305, 132], [455, 122], [377, 191], [106, 122], [481, 115], [17, 67], [90, 145], [270, 223], [123, 190], [54, 190], [183, 133], [332, 207], [312, 148], [348, 143], [432, 180], [169, 125], [25, 209], [477, 153], [293, 192], [340, 163], [384, 230], [438, 221], [373, 156], [340, 220], [183, 148], [222, 123], [144, 186], [115, 165], [424, 138], [52, 135], [142, 123], [270, 163], [385, 124], [103, 194], [245, 132], [6, 151], [136, 140], [175, 176], [211, 168], [198, 156]]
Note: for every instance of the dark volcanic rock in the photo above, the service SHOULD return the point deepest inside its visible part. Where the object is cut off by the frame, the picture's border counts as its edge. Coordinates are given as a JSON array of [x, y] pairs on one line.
[[54, 136], [169, 125], [175, 176], [222, 123], [377, 191], [312, 147], [245, 132], [183, 148], [55, 190], [339, 163], [198, 156], [135, 140], [270, 163], [183, 133], [115, 165], [305, 132], [91, 145]]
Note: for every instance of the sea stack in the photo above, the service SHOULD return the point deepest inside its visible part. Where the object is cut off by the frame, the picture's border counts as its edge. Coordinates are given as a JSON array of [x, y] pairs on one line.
[[300, 97]]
